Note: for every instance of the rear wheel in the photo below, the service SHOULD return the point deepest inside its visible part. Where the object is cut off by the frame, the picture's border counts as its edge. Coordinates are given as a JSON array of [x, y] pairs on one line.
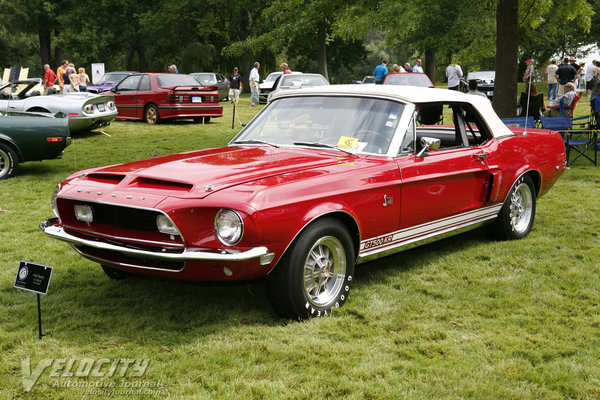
[[8, 161], [518, 212], [316, 273], [151, 115]]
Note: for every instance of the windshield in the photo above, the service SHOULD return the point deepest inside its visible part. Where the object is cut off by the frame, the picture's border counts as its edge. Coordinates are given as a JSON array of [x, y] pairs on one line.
[[166, 80], [481, 75], [205, 79], [357, 124], [273, 76], [113, 77], [302, 80], [409, 79]]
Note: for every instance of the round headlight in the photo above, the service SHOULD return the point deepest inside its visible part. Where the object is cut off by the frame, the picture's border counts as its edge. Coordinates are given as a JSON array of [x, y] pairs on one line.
[[165, 225], [229, 227], [84, 213]]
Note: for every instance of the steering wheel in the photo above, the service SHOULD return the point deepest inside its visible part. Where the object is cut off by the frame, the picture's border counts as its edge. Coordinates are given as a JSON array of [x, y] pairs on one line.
[[372, 146]]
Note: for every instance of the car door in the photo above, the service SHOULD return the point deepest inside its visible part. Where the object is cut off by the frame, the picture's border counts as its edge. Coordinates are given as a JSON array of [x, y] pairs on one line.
[[125, 97], [445, 188]]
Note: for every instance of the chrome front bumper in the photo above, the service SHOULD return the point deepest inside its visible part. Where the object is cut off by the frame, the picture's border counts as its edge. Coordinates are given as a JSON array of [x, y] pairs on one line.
[[52, 228]]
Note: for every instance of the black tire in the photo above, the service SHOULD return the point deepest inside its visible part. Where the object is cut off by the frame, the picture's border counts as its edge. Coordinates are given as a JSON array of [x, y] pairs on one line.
[[151, 114], [114, 273], [316, 272], [518, 212], [8, 161]]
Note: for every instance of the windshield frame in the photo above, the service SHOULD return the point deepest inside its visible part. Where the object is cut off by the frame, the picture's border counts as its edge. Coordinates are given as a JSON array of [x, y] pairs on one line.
[[406, 109]]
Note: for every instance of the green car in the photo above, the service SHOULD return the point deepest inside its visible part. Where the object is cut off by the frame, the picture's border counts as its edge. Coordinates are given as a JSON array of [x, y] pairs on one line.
[[31, 137]]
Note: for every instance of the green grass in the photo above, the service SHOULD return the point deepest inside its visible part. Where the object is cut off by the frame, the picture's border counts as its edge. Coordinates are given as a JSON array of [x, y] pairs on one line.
[[464, 318]]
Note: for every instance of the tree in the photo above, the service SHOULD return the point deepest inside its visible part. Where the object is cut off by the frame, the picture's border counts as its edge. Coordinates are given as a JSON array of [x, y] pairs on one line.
[[507, 54]]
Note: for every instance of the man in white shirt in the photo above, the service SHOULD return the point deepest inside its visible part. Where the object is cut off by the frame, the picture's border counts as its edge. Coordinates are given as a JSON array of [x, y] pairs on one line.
[[254, 80], [417, 67], [453, 73], [589, 77]]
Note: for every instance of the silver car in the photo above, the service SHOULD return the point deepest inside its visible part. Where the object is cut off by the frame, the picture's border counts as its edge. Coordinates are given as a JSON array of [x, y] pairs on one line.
[[297, 81], [86, 111], [213, 79]]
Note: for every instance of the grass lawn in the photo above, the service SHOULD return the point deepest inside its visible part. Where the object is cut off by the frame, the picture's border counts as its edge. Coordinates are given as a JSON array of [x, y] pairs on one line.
[[464, 318]]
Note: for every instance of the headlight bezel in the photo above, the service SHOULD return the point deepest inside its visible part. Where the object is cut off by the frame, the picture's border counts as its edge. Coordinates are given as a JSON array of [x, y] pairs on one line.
[[226, 221]]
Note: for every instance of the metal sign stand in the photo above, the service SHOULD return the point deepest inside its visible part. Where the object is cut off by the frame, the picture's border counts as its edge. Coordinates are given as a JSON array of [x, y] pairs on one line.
[[40, 319], [34, 278]]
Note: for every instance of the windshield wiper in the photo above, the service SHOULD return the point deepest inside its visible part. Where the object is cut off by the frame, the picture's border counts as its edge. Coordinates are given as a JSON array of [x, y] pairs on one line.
[[254, 141], [325, 145]]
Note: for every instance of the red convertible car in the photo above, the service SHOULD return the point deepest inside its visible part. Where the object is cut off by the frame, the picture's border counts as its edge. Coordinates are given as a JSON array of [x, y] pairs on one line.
[[155, 96], [320, 180]]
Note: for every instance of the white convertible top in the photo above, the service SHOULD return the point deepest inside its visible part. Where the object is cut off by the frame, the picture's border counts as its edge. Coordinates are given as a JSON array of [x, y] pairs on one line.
[[410, 94]]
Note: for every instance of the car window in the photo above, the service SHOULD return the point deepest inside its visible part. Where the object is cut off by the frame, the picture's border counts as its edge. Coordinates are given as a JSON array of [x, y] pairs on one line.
[[130, 83], [220, 78], [409, 79], [302, 80], [455, 124], [205, 79], [167, 80], [355, 123], [145, 84]]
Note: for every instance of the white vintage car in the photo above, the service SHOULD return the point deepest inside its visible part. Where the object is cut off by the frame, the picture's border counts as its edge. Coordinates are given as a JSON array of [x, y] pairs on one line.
[[86, 111]]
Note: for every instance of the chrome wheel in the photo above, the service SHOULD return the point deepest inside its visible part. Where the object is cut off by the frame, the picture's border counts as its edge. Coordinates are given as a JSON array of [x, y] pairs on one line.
[[8, 161], [521, 208], [4, 163], [324, 271]]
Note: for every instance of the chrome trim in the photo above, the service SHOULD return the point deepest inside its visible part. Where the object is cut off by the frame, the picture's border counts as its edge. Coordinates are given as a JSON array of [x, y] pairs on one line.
[[127, 239], [50, 228], [103, 260]]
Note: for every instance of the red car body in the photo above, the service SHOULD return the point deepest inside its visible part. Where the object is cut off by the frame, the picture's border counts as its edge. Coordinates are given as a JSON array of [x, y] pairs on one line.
[[346, 203], [155, 96]]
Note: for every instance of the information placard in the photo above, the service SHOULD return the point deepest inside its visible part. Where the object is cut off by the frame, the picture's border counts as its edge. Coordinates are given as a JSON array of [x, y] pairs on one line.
[[33, 277]]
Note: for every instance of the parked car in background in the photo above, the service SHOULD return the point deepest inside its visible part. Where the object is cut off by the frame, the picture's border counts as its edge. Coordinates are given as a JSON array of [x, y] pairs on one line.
[[86, 111], [108, 80], [154, 96], [296, 81], [321, 179], [212, 79], [266, 86], [31, 137], [485, 82], [408, 79], [366, 79]]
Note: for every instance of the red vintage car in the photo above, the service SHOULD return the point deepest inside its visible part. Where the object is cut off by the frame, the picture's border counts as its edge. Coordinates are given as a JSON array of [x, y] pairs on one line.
[[155, 96], [320, 180]]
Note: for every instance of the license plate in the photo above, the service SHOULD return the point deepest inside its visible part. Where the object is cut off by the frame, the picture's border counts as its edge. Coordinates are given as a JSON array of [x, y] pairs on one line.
[[100, 107], [196, 99]]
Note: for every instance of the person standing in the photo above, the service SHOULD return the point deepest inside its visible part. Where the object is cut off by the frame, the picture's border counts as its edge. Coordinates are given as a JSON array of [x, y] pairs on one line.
[[286, 70], [234, 85], [60, 72], [73, 78], [84, 80], [254, 84], [551, 79], [564, 74], [418, 67], [589, 78], [380, 72], [453, 73], [49, 78]]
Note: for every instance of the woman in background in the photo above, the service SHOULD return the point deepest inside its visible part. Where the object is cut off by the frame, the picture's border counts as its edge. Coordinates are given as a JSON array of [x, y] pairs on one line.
[[84, 80]]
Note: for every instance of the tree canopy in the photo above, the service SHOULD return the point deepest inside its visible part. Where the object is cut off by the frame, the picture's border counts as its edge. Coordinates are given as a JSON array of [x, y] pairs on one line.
[[341, 40]]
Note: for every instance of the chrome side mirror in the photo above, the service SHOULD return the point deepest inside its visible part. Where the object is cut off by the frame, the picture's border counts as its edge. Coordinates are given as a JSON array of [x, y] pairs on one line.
[[428, 144]]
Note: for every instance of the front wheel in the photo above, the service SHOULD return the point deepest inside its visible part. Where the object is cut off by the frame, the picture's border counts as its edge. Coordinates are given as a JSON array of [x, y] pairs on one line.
[[151, 115], [8, 161], [518, 212], [316, 273]]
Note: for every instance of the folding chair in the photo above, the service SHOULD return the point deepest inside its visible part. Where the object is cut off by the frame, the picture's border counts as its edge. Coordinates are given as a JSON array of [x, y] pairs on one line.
[[578, 141], [521, 122]]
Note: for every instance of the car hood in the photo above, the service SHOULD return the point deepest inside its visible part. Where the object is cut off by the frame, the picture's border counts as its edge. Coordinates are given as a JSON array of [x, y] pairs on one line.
[[200, 173]]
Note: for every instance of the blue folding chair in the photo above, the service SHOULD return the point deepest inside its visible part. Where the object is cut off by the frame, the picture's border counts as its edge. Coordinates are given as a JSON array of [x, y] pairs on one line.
[[578, 140], [521, 122]]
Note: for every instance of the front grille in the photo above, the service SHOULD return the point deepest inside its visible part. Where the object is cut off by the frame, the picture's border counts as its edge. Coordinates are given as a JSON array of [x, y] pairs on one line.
[[125, 218]]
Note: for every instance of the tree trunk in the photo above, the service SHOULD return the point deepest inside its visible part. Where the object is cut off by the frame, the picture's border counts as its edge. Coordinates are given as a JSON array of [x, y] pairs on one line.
[[322, 51], [507, 55], [430, 64], [44, 36]]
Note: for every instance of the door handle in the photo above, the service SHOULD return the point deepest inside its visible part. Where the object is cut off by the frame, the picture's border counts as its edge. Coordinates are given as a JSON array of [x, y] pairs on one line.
[[480, 156]]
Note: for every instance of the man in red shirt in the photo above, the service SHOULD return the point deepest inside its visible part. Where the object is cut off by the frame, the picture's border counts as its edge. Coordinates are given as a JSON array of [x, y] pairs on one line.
[[49, 78]]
